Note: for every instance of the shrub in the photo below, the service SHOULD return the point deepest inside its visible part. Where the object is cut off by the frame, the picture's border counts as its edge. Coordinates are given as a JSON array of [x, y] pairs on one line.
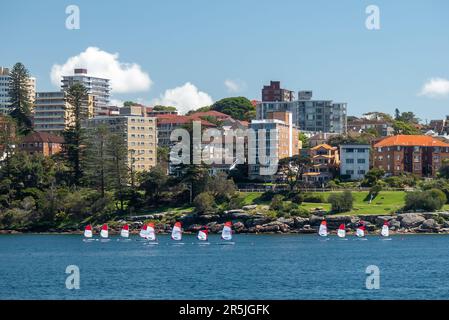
[[430, 200], [267, 195], [277, 203], [297, 198], [341, 202], [314, 198], [300, 212], [236, 202], [204, 202]]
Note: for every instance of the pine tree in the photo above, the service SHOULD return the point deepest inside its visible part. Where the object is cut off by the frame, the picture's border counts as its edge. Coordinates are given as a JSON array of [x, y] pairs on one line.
[[96, 157], [19, 92], [117, 169], [77, 97]]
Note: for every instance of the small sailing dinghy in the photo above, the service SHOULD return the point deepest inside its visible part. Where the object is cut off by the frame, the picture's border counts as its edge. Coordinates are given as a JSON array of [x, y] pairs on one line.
[[226, 233], [124, 233], [151, 234], [88, 234], [322, 232], [203, 236], [341, 233], [385, 232], [176, 233], [104, 233], [360, 232], [144, 231]]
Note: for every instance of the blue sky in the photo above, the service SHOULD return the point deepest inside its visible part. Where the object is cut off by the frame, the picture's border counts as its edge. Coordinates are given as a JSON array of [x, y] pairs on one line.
[[319, 45]]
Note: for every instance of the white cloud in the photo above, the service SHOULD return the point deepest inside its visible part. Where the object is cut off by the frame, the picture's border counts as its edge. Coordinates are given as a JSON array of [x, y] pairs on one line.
[[435, 87], [125, 77], [186, 97], [235, 86], [117, 102]]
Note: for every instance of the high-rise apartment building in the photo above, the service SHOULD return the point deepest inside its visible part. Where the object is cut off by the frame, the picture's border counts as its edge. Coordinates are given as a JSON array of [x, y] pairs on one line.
[[52, 113], [354, 161], [274, 92], [98, 88], [284, 144], [309, 115], [5, 99], [139, 132]]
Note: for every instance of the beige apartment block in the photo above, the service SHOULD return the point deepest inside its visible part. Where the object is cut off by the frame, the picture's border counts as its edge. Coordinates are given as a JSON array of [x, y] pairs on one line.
[[139, 132]]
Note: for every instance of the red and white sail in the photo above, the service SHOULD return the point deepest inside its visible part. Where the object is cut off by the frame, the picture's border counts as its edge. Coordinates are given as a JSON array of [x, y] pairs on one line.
[[124, 233], [144, 231], [360, 232], [226, 233], [151, 233], [104, 231], [202, 234], [341, 233], [323, 229], [176, 233], [385, 232], [88, 231]]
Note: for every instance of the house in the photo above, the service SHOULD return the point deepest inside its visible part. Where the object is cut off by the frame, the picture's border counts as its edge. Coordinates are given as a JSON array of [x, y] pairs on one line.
[[417, 154], [324, 164], [42, 142]]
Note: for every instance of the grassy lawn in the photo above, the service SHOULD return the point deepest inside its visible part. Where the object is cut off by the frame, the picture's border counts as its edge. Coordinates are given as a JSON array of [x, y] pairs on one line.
[[385, 203]]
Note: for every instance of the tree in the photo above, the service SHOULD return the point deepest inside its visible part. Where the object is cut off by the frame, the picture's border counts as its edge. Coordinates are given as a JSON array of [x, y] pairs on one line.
[[239, 108], [304, 139], [96, 159], [164, 108], [293, 169], [118, 173], [153, 182], [129, 103], [430, 200], [19, 92], [372, 177], [220, 187], [74, 137], [406, 128], [444, 170], [407, 117], [204, 203], [397, 114]]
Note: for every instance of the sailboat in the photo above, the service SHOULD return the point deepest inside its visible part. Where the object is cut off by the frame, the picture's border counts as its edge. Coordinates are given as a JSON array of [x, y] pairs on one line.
[[385, 232], [144, 231], [88, 233], [341, 233], [176, 233], [203, 235], [124, 233], [323, 229], [360, 232], [151, 234], [104, 233], [226, 233]]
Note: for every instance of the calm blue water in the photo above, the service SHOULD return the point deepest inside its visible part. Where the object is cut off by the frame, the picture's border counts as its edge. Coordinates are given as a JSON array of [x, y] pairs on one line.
[[256, 267]]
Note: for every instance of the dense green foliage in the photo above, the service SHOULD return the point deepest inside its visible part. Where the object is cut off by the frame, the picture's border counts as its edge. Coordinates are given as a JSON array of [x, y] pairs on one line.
[[429, 200], [239, 108], [19, 92], [341, 202]]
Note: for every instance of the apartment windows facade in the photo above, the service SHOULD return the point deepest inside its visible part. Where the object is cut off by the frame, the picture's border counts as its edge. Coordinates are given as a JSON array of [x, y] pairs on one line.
[[354, 161]]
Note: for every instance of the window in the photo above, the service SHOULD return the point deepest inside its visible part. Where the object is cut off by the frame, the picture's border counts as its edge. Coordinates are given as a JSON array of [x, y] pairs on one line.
[[360, 160], [362, 171], [349, 150], [349, 160], [361, 150]]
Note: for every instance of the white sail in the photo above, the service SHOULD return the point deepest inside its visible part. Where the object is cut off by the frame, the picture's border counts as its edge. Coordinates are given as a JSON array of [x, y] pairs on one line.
[[151, 234], [124, 233], [341, 233], [385, 231], [323, 229], [226, 234], [202, 235], [88, 232], [360, 232], [144, 231], [104, 231], [176, 233]]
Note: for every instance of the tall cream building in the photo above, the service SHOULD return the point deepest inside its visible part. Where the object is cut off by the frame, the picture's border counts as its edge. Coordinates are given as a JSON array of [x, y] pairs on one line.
[[5, 99], [52, 113], [139, 132]]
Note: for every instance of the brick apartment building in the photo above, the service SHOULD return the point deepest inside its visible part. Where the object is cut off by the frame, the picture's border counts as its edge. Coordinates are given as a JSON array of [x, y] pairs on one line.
[[42, 142], [417, 154], [274, 92]]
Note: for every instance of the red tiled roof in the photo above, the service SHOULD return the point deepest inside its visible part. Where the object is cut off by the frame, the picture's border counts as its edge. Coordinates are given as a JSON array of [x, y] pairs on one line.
[[210, 113], [43, 137], [179, 120], [411, 140]]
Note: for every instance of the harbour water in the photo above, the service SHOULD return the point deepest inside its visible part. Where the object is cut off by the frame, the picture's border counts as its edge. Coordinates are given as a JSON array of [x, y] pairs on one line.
[[256, 267]]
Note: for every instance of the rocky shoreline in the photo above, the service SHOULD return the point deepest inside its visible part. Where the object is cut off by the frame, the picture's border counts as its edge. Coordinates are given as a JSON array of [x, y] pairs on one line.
[[254, 223]]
